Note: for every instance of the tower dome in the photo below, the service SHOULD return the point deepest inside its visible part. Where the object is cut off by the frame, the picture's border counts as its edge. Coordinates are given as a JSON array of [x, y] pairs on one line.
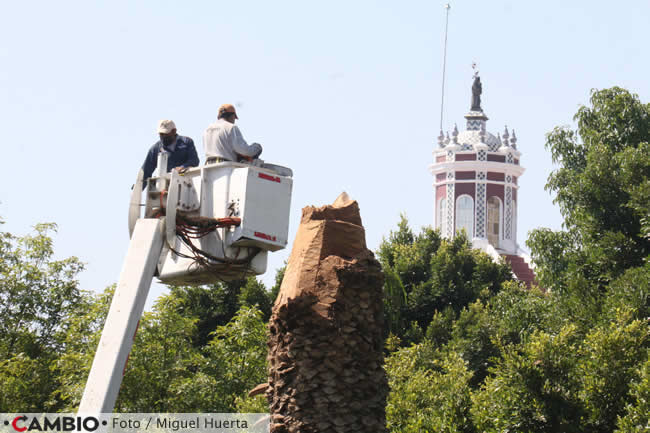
[[476, 182]]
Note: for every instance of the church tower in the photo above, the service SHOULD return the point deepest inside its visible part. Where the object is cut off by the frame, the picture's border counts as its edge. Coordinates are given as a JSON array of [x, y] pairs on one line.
[[476, 187]]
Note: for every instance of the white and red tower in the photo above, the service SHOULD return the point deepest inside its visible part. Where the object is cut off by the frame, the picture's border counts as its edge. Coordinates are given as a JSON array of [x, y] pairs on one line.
[[476, 185]]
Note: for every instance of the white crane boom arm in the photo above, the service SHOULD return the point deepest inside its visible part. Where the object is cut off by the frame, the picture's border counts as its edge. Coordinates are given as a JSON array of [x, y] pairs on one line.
[[121, 324]]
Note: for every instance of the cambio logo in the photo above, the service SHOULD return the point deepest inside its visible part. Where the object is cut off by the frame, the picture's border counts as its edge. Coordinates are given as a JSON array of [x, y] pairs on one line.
[[23, 423]]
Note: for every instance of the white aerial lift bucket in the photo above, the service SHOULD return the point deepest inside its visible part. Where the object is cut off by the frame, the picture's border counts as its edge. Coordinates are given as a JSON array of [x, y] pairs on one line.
[[220, 220], [212, 223]]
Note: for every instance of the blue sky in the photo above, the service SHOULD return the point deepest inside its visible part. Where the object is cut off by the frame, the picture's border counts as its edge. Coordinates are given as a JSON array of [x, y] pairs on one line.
[[347, 94]]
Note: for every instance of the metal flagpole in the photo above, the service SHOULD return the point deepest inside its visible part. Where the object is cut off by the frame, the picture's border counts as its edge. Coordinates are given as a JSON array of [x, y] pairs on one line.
[[444, 65]]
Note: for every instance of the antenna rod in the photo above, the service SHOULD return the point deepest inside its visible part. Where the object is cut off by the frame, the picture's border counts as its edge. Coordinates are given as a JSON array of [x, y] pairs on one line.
[[444, 66]]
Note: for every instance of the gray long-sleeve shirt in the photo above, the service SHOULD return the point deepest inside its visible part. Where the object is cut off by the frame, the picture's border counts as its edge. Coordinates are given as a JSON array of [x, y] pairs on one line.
[[224, 140]]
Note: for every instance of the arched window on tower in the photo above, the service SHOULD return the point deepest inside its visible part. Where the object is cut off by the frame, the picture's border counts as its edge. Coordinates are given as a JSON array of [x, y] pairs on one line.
[[494, 221], [442, 214], [465, 215]]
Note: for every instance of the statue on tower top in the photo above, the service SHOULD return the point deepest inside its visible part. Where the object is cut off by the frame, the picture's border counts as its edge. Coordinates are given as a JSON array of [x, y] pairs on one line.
[[477, 89]]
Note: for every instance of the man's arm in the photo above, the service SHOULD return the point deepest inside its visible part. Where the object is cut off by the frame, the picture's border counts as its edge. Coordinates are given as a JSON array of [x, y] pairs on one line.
[[241, 147]]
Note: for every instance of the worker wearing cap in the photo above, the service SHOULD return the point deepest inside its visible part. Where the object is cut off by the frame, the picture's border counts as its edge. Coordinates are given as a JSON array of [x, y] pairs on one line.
[[223, 141], [182, 153]]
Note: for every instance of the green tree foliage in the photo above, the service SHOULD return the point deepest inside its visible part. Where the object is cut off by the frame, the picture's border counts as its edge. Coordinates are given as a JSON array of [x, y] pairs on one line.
[[531, 389], [459, 275], [484, 328], [439, 329], [215, 305], [279, 276], [207, 380], [254, 293], [637, 416], [160, 360], [607, 366], [166, 371], [211, 306], [240, 349], [602, 186], [38, 296], [516, 312], [210, 339], [80, 339], [554, 253], [425, 274], [473, 338], [565, 381], [630, 292], [528, 368], [429, 391]]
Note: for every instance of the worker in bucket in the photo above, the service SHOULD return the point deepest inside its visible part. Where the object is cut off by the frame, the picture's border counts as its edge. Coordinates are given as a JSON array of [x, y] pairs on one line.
[[182, 153], [223, 141]]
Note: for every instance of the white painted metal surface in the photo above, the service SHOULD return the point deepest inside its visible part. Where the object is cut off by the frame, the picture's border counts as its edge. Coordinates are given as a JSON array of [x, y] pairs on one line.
[[121, 323], [161, 169], [264, 199], [259, 196], [134, 203]]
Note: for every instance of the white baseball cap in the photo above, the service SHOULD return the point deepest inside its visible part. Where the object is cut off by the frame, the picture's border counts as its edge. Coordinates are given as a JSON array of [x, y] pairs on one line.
[[166, 126]]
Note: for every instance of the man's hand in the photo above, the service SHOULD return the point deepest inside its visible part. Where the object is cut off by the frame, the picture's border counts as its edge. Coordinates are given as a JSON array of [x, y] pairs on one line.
[[181, 169]]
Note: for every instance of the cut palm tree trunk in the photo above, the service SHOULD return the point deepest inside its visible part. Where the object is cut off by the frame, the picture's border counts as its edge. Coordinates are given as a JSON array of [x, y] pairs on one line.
[[325, 344]]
